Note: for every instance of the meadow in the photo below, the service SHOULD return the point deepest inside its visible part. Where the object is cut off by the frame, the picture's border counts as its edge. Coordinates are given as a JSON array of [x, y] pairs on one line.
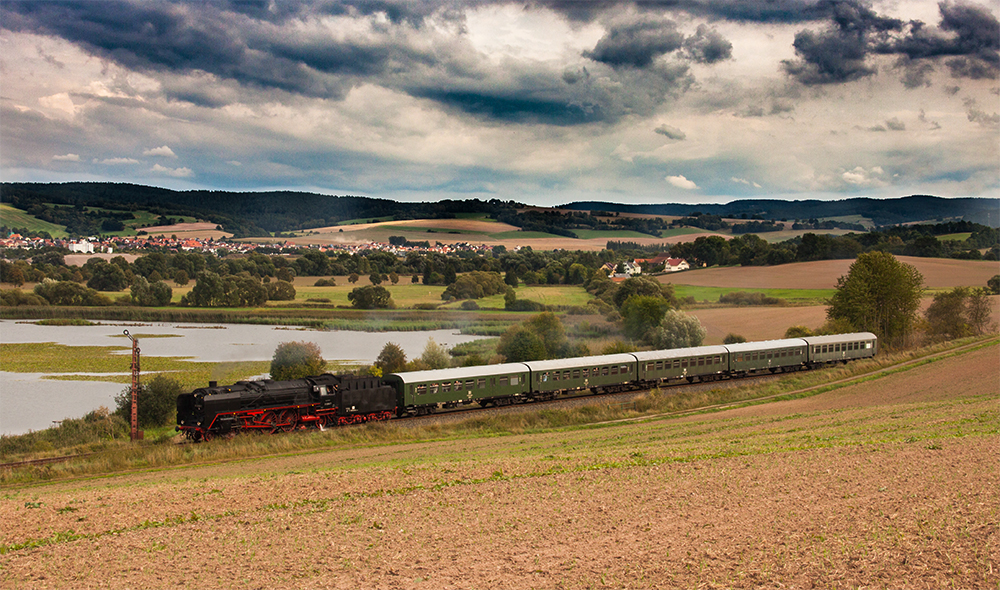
[[886, 481]]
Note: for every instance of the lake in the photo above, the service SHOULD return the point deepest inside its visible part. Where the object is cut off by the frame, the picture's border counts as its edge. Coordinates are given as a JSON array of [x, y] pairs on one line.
[[29, 402]]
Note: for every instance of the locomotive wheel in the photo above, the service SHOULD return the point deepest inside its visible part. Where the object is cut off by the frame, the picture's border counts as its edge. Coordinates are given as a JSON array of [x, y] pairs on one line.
[[289, 419]]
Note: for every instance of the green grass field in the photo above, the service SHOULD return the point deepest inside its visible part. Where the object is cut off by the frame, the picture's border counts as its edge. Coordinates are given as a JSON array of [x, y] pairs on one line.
[[960, 237], [589, 234], [791, 296], [13, 217]]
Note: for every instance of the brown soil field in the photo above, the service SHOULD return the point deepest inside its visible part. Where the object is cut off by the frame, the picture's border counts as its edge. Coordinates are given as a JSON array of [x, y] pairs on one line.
[[199, 230], [768, 323], [472, 225], [81, 259], [757, 323], [890, 483], [939, 273]]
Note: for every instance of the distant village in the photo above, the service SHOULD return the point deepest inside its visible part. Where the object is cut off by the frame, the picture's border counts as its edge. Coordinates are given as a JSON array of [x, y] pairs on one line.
[[122, 244]]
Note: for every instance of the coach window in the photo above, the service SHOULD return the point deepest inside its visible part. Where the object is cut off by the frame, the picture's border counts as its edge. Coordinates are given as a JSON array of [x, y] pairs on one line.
[[481, 383], [421, 389], [566, 375], [614, 370], [432, 388], [701, 362], [445, 387], [586, 373], [545, 377], [470, 384], [555, 375], [504, 381], [514, 380], [604, 371], [576, 373]]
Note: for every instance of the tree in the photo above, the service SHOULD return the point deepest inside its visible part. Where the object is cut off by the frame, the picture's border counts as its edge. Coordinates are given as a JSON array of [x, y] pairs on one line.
[[520, 344], [946, 317], [392, 359], [994, 284], [879, 294], [295, 360], [280, 291], [156, 402], [435, 356], [105, 276], [678, 330], [978, 311], [370, 297], [641, 313], [642, 285], [551, 332], [353, 278], [150, 294]]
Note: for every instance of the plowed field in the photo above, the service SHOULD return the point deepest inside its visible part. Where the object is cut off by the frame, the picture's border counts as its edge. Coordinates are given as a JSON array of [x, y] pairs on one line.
[[889, 483], [939, 273]]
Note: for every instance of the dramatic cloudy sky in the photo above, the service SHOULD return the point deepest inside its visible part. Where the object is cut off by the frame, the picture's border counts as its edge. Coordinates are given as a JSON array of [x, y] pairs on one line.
[[540, 101]]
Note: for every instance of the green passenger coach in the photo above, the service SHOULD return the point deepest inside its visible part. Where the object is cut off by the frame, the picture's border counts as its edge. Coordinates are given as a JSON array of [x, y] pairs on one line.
[[611, 372], [790, 354], [701, 363], [424, 391], [841, 347]]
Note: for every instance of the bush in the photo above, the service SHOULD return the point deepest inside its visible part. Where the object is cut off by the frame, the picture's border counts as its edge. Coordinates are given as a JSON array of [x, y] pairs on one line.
[[370, 297], [280, 291], [156, 402], [469, 305], [294, 360], [798, 332], [733, 339], [325, 283], [16, 297], [677, 330], [749, 298]]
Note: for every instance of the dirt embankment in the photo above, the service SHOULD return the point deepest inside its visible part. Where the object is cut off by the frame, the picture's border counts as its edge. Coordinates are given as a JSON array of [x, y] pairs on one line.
[[891, 483]]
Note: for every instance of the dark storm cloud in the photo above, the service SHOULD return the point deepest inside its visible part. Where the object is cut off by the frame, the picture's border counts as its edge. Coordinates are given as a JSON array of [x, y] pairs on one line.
[[839, 53], [968, 34], [637, 43], [708, 46]]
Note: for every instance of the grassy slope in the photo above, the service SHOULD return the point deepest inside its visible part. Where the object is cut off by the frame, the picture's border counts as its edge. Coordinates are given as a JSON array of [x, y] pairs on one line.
[[13, 217]]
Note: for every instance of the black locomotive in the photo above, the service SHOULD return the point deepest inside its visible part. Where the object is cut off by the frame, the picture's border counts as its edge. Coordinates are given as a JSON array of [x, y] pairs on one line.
[[282, 406]]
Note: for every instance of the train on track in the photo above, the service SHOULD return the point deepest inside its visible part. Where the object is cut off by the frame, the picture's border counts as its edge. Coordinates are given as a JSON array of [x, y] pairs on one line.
[[335, 400]]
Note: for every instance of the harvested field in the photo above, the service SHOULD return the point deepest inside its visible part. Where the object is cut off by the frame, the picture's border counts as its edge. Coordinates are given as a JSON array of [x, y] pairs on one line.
[[199, 230], [768, 323], [939, 273], [757, 323], [873, 485]]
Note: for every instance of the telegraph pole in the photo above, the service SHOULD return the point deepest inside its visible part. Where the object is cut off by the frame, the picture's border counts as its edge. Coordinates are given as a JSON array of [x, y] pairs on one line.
[[136, 433]]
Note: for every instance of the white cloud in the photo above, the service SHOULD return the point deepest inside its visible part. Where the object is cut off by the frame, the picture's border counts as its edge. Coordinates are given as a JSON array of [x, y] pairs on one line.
[[67, 158], [865, 178], [681, 182], [234, 163], [745, 181], [163, 150], [116, 161], [174, 172]]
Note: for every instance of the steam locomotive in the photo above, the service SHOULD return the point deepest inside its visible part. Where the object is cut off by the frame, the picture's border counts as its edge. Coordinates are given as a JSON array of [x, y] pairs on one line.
[[337, 400]]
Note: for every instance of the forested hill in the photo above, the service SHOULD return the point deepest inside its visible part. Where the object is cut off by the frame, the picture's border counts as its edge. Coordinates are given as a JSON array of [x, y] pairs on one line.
[[880, 211], [243, 213]]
